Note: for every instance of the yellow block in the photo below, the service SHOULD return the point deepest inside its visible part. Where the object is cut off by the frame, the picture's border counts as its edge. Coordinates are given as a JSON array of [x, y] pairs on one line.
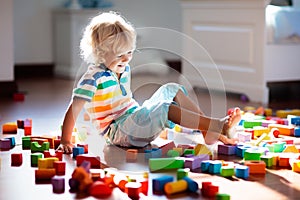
[[283, 129], [46, 163], [175, 187], [202, 149], [264, 136], [296, 166], [259, 130], [290, 149], [285, 113]]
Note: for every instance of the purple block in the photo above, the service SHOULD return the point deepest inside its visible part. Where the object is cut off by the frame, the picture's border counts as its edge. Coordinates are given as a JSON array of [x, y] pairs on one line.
[[195, 161], [58, 184], [226, 149], [5, 144], [86, 166]]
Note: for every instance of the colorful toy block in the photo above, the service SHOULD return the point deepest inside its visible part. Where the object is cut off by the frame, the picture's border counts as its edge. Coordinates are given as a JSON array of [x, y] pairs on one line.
[[285, 113], [244, 136], [57, 154], [77, 151], [284, 161], [159, 183], [156, 164], [279, 146], [60, 167], [26, 142], [205, 165], [16, 159], [259, 130], [35, 147], [133, 189], [296, 166], [297, 131], [227, 171], [175, 187], [35, 157], [222, 196], [256, 167], [268, 159], [240, 150], [83, 178], [85, 146], [46, 163], [58, 184], [241, 171], [44, 174], [5, 144], [94, 160], [20, 124], [10, 128], [295, 120], [253, 153], [202, 149], [226, 149], [182, 173], [252, 123], [99, 189], [262, 137], [156, 153], [194, 162], [131, 155], [215, 167], [192, 185], [189, 152], [290, 149], [283, 129], [209, 190], [173, 153], [167, 147]]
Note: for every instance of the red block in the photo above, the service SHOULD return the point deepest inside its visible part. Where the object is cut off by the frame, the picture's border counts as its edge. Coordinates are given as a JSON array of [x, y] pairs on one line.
[[100, 190], [95, 161], [60, 167], [58, 154], [85, 147], [16, 159]]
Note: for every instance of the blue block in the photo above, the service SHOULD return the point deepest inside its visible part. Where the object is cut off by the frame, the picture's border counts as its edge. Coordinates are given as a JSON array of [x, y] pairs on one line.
[[205, 165], [215, 167], [297, 131], [240, 150], [156, 153], [295, 121], [147, 153], [77, 151], [192, 185], [242, 171], [159, 183]]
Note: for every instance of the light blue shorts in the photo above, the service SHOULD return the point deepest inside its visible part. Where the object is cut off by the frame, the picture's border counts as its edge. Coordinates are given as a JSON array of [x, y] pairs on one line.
[[148, 121]]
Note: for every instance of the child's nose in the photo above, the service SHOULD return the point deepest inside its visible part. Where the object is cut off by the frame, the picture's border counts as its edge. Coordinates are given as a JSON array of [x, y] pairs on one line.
[[126, 58]]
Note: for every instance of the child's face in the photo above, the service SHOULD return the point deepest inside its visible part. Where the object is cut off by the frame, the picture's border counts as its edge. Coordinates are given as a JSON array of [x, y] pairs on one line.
[[117, 62]]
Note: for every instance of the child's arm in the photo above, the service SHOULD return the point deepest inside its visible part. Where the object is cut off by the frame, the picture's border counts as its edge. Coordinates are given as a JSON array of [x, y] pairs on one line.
[[68, 125]]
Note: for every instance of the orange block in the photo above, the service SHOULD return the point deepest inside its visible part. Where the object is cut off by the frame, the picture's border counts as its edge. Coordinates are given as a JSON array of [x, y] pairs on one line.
[[10, 127], [284, 161], [256, 167], [296, 166], [283, 129], [44, 174], [131, 155]]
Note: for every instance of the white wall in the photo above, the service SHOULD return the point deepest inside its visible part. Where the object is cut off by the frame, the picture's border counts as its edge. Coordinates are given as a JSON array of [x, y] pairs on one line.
[[33, 23], [6, 41]]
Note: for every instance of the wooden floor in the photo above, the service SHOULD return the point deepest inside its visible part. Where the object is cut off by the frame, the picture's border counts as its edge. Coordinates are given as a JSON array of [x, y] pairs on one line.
[[46, 100]]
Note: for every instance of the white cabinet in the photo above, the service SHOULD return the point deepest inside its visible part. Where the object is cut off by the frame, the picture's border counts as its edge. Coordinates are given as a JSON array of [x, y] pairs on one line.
[[68, 29], [225, 50]]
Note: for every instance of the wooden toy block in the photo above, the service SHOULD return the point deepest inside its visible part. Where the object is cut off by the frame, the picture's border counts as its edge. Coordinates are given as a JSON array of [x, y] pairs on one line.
[[74, 185], [179, 150], [175, 187], [26, 142], [251, 123], [44, 174], [35, 147], [16, 159], [295, 120], [194, 162], [169, 146], [35, 157], [189, 152], [222, 196], [27, 130], [56, 143], [12, 141], [215, 167], [60, 167], [158, 184], [94, 160], [184, 146], [284, 161], [18, 96], [131, 155], [173, 153], [227, 171], [264, 136], [209, 190], [279, 146], [240, 150], [290, 149], [268, 159], [10, 128], [99, 190], [57, 154], [46, 163], [182, 173], [49, 139], [58, 184], [20, 123], [259, 130], [296, 166], [205, 165], [283, 129], [5, 144], [256, 167], [297, 131], [39, 140], [83, 177], [241, 171], [285, 113], [192, 185], [226, 149], [145, 185], [156, 153], [165, 163], [77, 151], [253, 154], [244, 136], [202, 149], [133, 189], [265, 123], [85, 146]]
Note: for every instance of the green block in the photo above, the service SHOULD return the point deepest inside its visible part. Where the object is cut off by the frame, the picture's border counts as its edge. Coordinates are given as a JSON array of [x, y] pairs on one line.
[[173, 153], [279, 146], [221, 196], [181, 173], [253, 154], [35, 147], [268, 160], [26, 141], [270, 147], [251, 124], [165, 163], [227, 171], [34, 158], [189, 151]]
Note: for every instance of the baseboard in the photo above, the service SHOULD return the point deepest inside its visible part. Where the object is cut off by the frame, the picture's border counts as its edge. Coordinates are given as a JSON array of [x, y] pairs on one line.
[[8, 88], [34, 70]]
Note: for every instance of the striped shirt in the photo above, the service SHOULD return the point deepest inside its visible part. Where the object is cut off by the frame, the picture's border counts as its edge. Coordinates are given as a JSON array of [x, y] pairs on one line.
[[107, 97]]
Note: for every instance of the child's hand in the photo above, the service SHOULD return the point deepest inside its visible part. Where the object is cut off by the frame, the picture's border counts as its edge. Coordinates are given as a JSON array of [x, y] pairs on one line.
[[66, 148]]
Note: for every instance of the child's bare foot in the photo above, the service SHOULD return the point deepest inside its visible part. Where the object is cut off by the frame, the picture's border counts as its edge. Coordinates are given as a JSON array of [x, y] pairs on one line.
[[226, 140], [232, 120]]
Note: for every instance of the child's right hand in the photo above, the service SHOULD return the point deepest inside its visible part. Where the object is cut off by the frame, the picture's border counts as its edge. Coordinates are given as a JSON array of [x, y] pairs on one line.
[[66, 148]]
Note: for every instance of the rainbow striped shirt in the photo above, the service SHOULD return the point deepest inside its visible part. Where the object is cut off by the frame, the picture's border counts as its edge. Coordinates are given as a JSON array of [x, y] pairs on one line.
[[108, 97]]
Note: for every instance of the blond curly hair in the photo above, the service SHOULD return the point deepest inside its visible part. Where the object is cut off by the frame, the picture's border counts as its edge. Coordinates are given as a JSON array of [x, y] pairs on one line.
[[106, 32]]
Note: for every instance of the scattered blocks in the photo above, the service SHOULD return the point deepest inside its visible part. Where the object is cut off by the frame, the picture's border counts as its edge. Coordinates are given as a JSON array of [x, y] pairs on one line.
[[215, 167], [268, 159], [256, 167], [82, 177], [176, 187], [10, 128], [26, 142], [16, 159], [244, 136], [283, 129], [85, 146], [296, 166], [253, 154]]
